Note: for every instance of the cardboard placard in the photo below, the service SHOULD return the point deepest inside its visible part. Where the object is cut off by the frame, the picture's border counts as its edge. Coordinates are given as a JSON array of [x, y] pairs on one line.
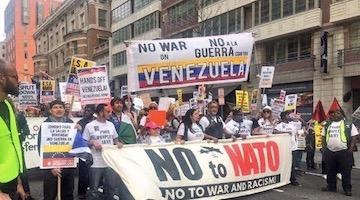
[[157, 116]]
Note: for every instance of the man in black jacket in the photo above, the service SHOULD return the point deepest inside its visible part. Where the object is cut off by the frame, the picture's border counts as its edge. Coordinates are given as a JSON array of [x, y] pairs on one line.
[[57, 115]]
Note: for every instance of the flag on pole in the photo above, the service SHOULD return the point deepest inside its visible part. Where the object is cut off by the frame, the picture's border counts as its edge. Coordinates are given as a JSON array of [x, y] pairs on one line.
[[336, 106], [319, 113], [81, 150]]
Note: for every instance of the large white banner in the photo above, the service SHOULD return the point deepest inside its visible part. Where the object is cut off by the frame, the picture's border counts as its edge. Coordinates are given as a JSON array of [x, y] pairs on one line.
[[174, 63], [203, 170], [30, 145]]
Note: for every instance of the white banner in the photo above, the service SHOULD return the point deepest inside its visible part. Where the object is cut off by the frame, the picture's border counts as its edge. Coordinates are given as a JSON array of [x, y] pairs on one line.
[[267, 75], [174, 63], [203, 170], [94, 85], [30, 145], [27, 95]]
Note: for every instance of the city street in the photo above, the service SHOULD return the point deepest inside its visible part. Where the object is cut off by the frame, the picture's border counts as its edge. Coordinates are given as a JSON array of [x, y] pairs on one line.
[[310, 189]]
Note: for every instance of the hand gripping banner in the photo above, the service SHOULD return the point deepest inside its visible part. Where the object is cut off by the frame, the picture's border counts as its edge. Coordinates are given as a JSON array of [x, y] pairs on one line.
[[174, 63], [202, 170]]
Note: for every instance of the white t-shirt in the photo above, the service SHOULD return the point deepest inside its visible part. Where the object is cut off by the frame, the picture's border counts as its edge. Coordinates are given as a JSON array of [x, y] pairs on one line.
[[103, 132], [288, 128], [243, 128], [335, 144], [297, 125], [196, 134], [143, 121], [205, 122], [266, 127]]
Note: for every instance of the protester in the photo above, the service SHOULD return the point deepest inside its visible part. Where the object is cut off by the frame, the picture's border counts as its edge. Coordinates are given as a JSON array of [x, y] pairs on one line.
[[238, 126], [123, 124], [339, 140], [129, 110], [98, 133], [212, 122], [68, 110], [11, 160], [57, 114], [173, 121], [285, 127], [300, 126], [267, 122], [144, 119], [190, 129], [152, 134], [83, 168], [310, 148]]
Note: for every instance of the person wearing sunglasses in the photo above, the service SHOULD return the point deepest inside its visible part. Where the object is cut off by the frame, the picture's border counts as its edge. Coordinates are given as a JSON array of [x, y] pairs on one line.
[[267, 123]]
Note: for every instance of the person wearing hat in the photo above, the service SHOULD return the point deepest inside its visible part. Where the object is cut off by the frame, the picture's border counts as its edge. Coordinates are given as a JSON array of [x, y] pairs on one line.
[[339, 140], [267, 122], [238, 126], [144, 119], [152, 135]]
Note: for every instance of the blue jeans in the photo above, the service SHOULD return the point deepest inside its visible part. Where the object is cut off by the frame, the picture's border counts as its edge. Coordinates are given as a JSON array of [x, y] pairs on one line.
[[298, 157]]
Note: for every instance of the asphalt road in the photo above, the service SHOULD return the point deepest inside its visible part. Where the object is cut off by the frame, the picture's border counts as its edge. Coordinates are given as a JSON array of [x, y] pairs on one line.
[[310, 189]]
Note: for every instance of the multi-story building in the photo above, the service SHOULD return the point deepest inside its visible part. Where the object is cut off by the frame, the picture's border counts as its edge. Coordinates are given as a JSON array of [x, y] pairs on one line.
[[131, 20], [3, 50], [21, 19], [78, 28]]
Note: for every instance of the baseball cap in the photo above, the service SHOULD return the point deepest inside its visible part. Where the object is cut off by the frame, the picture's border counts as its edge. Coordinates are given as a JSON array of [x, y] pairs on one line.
[[151, 125], [267, 108]]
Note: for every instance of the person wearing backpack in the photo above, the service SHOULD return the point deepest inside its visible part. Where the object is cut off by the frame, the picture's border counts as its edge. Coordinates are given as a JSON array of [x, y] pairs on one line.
[[191, 130], [339, 140], [212, 122]]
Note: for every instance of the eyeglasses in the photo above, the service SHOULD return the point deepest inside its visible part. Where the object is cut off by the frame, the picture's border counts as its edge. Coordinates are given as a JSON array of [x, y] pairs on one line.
[[267, 111]]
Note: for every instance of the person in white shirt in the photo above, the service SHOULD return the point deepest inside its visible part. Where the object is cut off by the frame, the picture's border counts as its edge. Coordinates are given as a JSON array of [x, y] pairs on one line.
[[266, 123], [285, 127], [238, 126], [300, 126], [98, 133], [339, 141], [212, 123], [190, 129], [152, 134]]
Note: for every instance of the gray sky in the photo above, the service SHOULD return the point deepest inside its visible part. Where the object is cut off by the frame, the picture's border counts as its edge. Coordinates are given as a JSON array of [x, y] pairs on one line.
[[3, 4]]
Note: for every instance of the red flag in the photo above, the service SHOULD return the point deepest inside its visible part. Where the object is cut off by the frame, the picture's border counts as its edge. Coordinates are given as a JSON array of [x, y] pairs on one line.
[[336, 106], [319, 113]]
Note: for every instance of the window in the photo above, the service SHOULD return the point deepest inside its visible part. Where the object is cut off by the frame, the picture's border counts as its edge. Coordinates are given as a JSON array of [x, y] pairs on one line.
[[292, 48], [74, 47], [102, 18], [207, 27], [288, 7], [215, 26], [146, 24], [270, 52], [275, 9], [300, 6], [182, 11], [354, 35], [72, 27], [223, 24], [232, 21], [82, 20], [305, 46], [281, 51], [121, 12], [56, 61], [205, 3], [257, 13], [238, 20], [264, 11], [311, 4], [248, 17], [122, 34], [138, 4], [119, 59]]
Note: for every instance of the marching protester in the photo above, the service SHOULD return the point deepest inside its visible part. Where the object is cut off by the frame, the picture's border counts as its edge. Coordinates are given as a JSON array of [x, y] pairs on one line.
[[285, 127], [238, 126], [173, 121], [191, 130], [88, 117], [98, 133], [300, 125], [123, 124], [129, 110], [152, 134], [144, 119], [310, 148], [11, 160], [212, 122], [57, 114], [339, 140], [266, 122]]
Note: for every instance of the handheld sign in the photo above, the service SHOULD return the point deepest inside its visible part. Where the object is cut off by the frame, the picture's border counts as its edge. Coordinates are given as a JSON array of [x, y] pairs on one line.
[[27, 95], [47, 91], [72, 86], [267, 75]]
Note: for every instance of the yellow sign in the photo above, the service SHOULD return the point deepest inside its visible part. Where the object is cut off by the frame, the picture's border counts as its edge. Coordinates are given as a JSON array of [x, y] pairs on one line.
[[242, 100], [180, 96], [72, 86], [47, 91], [80, 63], [318, 128]]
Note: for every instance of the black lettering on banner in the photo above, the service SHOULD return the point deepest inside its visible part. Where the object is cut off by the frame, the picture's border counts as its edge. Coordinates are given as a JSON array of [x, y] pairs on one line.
[[203, 191], [165, 162], [179, 154]]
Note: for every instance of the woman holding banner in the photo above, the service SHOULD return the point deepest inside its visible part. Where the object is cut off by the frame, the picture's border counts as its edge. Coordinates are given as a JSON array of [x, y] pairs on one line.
[[191, 130], [267, 122]]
